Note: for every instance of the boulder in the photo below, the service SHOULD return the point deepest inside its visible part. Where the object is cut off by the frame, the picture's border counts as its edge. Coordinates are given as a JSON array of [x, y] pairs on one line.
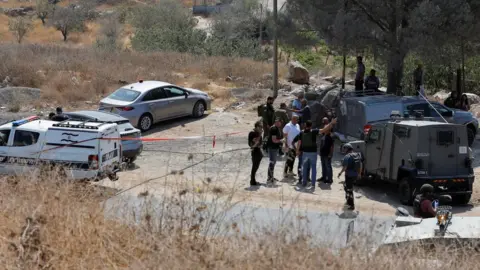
[[10, 95], [15, 12], [297, 91], [473, 98], [298, 73], [443, 95]]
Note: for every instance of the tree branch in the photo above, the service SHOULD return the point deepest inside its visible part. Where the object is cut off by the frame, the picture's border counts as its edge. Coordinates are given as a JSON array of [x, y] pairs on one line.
[[379, 23]]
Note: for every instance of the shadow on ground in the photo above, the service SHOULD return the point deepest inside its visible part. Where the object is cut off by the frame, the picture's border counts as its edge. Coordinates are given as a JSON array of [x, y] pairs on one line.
[[172, 123]]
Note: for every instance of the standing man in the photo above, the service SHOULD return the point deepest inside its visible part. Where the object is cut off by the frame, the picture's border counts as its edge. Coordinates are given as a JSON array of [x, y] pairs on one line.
[[297, 105], [282, 114], [307, 147], [268, 117], [326, 154], [352, 166], [360, 74], [418, 79], [290, 131], [255, 142], [273, 145], [305, 112]]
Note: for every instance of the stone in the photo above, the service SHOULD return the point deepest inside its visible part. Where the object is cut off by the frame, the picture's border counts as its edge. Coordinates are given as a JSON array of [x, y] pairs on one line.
[[297, 91], [298, 73]]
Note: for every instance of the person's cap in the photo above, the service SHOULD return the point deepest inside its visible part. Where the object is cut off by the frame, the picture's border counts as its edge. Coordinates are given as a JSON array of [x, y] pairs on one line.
[[278, 119], [347, 146], [59, 109]]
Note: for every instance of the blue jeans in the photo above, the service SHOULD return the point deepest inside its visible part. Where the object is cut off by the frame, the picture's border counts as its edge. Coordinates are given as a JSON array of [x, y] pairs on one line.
[[272, 157], [327, 172], [309, 162]]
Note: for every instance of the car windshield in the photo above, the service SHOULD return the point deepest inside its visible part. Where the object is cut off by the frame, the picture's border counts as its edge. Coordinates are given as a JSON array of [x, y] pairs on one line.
[[124, 95]]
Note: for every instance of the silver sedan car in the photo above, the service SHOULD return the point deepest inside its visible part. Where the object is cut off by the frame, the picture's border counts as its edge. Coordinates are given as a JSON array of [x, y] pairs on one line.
[[147, 102]]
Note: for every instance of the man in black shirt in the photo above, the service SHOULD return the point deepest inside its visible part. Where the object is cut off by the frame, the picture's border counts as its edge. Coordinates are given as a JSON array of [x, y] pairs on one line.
[[307, 147], [255, 142], [326, 153], [274, 143]]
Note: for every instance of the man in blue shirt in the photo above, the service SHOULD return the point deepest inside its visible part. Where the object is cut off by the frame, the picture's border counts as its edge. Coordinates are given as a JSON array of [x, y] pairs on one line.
[[305, 112], [352, 173]]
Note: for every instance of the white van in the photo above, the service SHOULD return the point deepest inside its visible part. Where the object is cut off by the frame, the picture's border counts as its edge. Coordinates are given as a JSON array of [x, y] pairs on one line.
[[82, 149]]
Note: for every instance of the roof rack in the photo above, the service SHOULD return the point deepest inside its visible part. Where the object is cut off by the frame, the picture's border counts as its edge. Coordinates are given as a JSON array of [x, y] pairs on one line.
[[81, 125], [24, 121]]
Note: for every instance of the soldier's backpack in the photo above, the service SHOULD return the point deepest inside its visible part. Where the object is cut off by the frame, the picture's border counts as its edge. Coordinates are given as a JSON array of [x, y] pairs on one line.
[[357, 161], [260, 110]]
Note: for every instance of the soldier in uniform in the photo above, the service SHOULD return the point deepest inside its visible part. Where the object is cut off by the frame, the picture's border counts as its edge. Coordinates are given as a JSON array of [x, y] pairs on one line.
[[282, 114], [268, 117], [422, 205]]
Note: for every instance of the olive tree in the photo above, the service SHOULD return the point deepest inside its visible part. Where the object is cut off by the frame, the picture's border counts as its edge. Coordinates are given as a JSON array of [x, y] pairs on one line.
[[394, 27], [68, 20], [20, 27]]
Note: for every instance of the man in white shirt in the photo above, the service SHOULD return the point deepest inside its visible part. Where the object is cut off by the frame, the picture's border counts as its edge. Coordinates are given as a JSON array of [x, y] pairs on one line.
[[290, 131]]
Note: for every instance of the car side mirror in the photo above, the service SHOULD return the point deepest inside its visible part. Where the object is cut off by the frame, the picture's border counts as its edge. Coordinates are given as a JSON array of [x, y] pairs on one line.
[[186, 94]]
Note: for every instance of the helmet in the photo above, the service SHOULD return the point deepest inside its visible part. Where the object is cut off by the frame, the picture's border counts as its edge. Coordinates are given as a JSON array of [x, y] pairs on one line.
[[427, 188], [347, 147]]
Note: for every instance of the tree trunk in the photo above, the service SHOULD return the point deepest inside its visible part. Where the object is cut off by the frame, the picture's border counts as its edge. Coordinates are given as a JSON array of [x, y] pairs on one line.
[[459, 82], [64, 34], [394, 72]]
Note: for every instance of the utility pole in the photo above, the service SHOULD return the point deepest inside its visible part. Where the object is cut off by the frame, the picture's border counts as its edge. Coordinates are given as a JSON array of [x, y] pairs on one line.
[[275, 51], [344, 45]]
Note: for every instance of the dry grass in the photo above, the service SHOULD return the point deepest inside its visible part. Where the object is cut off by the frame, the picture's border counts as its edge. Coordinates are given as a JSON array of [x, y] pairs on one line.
[[53, 224], [69, 75]]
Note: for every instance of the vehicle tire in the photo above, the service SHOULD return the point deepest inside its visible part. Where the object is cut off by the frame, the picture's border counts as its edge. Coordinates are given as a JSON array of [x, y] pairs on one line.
[[405, 192], [198, 109], [145, 122], [462, 199], [470, 135]]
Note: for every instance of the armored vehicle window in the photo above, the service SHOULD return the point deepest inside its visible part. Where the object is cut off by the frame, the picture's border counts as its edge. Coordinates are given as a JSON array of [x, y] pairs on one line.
[[374, 135], [25, 138], [402, 132], [4, 134], [444, 137]]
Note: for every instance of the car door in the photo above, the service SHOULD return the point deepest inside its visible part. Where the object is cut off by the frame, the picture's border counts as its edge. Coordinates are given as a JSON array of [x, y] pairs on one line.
[[4, 137], [24, 151], [156, 103], [440, 112], [179, 104], [373, 148]]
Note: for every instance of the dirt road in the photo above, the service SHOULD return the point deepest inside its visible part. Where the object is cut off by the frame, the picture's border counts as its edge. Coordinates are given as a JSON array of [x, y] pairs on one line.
[[228, 172]]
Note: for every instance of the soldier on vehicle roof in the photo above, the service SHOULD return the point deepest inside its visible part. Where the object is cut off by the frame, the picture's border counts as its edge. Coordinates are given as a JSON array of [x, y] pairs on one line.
[[372, 82]]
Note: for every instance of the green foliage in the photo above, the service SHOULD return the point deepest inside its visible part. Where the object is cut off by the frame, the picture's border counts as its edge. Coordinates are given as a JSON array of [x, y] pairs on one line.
[[168, 26]]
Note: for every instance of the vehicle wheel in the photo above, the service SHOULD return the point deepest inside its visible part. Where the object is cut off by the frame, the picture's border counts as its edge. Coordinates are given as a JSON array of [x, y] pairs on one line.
[[405, 192], [198, 109], [462, 199], [470, 135], [145, 122]]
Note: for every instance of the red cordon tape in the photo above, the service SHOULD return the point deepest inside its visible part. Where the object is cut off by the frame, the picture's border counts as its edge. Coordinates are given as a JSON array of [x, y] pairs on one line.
[[145, 140]]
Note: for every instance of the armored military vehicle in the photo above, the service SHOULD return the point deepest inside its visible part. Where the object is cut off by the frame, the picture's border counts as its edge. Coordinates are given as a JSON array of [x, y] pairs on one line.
[[410, 152]]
